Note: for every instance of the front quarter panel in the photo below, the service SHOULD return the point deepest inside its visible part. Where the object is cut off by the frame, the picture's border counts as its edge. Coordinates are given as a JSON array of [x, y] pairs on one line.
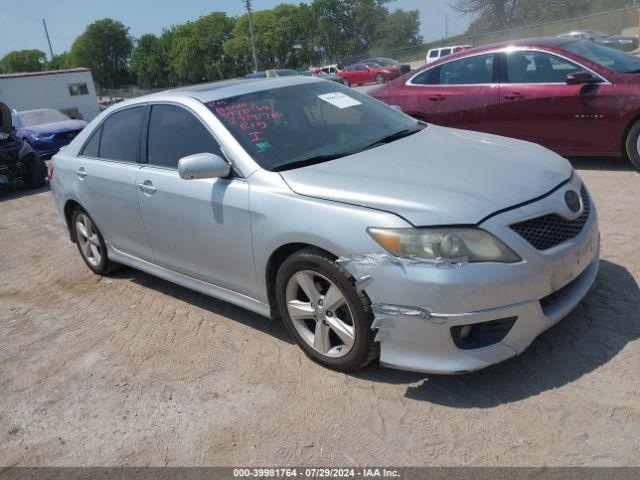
[[280, 217]]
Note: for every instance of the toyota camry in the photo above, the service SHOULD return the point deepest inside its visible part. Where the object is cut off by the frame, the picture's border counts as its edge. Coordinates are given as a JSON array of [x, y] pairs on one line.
[[371, 234]]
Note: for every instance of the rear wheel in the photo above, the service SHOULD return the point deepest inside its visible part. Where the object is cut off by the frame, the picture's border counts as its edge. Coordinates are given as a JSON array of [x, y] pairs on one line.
[[379, 79], [324, 312], [632, 145], [90, 243]]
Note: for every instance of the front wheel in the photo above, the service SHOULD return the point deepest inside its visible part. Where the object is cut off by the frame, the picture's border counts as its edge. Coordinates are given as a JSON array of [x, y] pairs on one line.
[[632, 145], [346, 82], [324, 312], [379, 79]]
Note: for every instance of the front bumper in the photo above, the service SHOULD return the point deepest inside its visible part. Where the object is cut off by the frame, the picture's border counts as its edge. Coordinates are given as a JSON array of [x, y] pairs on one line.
[[539, 291]]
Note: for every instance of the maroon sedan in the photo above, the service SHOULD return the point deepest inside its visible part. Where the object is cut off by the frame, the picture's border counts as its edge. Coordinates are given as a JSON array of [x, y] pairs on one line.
[[368, 72], [572, 96]]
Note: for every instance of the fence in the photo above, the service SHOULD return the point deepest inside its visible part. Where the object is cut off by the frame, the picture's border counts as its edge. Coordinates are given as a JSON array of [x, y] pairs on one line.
[[612, 22]]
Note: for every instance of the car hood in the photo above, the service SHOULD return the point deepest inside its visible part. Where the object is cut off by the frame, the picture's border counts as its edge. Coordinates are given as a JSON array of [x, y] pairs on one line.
[[57, 127], [440, 176]]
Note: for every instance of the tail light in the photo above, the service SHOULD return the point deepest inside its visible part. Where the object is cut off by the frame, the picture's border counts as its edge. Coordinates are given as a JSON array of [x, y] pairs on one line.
[[50, 169]]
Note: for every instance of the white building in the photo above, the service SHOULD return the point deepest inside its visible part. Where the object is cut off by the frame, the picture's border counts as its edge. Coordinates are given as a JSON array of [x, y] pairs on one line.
[[70, 91]]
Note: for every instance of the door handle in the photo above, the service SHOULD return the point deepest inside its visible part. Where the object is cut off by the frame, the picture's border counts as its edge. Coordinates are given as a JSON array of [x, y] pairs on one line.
[[438, 97], [81, 173], [514, 96], [147, 187]]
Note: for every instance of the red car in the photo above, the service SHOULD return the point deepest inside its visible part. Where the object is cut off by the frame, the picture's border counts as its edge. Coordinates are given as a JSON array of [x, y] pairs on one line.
[[572, 96], [368, 72]]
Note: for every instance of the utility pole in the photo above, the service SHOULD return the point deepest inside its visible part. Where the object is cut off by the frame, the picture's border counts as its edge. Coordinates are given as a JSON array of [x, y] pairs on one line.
[[46, 32], [446, 26], [253, 45]]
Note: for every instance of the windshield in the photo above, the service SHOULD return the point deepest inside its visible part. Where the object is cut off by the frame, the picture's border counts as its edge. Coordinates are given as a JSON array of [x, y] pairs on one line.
[[39, 117], [312, 122], [610, 58]]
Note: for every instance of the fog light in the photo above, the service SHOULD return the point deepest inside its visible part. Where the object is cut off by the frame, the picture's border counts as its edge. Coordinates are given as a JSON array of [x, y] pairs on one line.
[[483, 334], [464, 332]]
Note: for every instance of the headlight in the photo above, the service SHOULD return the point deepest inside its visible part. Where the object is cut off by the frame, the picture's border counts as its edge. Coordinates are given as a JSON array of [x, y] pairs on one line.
[[472, 244], [38, 136]]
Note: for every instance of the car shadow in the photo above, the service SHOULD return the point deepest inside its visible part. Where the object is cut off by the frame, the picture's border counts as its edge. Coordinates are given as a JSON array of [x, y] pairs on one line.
[[617, 164], [595, 332], [21, 191], [273, 327]]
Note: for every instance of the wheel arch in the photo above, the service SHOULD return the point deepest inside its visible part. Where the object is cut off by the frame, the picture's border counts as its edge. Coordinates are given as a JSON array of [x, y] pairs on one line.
[[276, 258], [69, 207], [625, 133]]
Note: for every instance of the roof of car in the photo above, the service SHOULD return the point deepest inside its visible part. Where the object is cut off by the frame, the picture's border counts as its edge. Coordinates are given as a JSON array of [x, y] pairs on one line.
[[525, 42], [36, 110], [206, 92]]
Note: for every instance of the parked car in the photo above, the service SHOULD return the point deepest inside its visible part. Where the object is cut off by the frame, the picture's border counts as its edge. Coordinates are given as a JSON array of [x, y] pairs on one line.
[[282, 72], [626, 44], [327, 69], [369, 232], [572, 96], [388, 62], [436, 54], [371, 72], [46, 130], [18, 162]]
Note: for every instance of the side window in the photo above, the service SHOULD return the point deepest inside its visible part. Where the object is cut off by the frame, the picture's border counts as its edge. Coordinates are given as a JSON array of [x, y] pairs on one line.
[[445, 51], [433, 54], [476, 70], [120, 139], [538, 67], [175, 133], [91, 148]]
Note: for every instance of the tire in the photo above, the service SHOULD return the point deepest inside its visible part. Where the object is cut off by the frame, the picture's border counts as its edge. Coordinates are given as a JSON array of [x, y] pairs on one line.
[[35, 175], [379, 79], [95, 254], [632, 145], [346, 82], [353, 346]]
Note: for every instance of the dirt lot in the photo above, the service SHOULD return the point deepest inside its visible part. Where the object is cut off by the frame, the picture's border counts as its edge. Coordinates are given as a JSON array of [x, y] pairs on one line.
[[131, 370]]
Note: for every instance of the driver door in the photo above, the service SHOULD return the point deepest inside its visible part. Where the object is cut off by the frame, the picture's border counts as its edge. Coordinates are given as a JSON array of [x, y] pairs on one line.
[[537, 104]]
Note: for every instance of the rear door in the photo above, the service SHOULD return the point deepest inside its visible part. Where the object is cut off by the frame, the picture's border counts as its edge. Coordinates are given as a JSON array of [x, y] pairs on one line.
[[537, 104], [104, 177], [200, 228], [462, 93]]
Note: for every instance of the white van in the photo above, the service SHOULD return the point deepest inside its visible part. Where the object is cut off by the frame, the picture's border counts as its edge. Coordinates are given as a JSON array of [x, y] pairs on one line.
[[437, 53]]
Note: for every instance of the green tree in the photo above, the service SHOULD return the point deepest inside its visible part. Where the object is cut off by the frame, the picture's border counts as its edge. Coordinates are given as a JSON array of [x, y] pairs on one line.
[[149, 61], [23, 61], [281, 38], [59, 62], [104, 47], [400, 29], [196, 52]]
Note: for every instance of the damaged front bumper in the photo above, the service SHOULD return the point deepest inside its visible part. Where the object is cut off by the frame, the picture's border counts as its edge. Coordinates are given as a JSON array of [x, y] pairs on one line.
[[420, 307]]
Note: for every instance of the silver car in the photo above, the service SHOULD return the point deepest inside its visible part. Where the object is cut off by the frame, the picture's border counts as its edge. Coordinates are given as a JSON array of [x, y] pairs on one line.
[[371, 234]]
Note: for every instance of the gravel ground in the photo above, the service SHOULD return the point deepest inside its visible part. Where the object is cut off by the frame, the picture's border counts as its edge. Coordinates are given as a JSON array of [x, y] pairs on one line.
[[132, 370]]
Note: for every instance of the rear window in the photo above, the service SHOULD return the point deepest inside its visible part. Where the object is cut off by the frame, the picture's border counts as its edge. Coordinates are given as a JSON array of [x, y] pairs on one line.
[[120, 139]]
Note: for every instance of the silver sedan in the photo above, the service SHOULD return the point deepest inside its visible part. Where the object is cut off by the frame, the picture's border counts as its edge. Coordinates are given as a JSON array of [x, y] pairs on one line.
[[371, 234]]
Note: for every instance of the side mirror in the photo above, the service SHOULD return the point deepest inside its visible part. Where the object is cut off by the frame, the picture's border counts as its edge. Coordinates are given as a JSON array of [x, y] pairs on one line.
[[581, 78], [203, 165]]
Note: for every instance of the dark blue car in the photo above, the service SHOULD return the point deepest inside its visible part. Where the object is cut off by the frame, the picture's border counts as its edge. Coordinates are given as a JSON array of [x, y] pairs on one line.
[[45, 129]]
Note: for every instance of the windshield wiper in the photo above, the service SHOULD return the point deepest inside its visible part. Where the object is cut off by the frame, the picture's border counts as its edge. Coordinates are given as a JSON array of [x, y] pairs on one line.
[[309, 161], [333, 156], [393, 137]]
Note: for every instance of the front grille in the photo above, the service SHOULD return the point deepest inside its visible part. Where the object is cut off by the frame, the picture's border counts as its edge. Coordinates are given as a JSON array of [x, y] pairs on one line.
[[550, 230]]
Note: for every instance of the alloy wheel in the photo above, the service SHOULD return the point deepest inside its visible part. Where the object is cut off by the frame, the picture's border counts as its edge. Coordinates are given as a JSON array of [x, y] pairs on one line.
[[320, 313], [88, 240]]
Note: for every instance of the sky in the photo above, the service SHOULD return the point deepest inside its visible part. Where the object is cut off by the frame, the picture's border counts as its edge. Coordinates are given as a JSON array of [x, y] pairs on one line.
[[66, 19]]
